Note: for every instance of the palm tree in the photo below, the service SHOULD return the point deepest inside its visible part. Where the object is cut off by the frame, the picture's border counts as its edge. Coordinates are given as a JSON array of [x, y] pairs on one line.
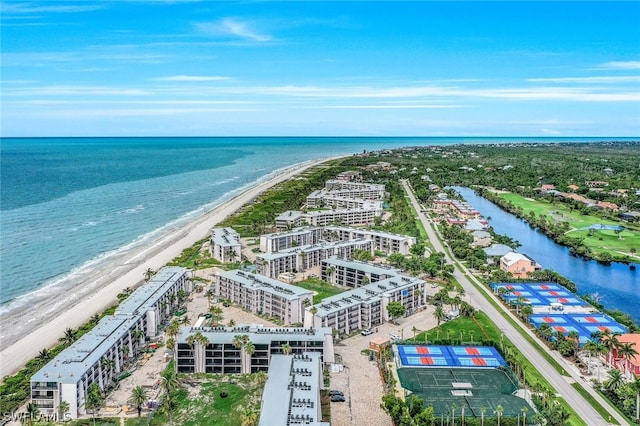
[[239, 340], [616, 380], [626, 351], [148, 274], [524, 415], [635, 387], [109, 364], [94, 400], [44, 355], [63, 408], [32, 411], [414, 329], [210, 295], [261, 377], [611, 342], [249, 349], [138, 398], [95, 318], [545, 331], [482, 411], [249, 417], [439, 314], [286, 349], [69, 336], [498, 412]]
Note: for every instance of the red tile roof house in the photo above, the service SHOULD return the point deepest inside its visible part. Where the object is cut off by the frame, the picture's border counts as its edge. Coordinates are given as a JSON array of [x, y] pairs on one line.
[[632, 365], [547, 187], [518, 264], [607, 205]]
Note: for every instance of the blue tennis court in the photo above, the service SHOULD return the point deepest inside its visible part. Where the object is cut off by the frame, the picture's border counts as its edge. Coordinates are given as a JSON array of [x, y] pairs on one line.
[[449, 356], [537, 294], [584, 324]]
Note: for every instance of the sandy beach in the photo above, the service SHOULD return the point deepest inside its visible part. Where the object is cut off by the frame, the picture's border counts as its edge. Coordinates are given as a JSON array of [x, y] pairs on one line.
[[26, 330]]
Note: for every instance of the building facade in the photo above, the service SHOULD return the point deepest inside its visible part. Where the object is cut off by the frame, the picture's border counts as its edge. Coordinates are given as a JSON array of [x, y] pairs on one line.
[[341, 216], [225, 245], [296, 237], [304, 257], [262, 295], [351, 273], [386, 242], [223, 350], [366, 306], [102, 353], [518, 265]]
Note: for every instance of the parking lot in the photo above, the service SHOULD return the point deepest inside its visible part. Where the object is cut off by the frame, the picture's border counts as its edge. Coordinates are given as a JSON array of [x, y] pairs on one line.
[[360, 380]]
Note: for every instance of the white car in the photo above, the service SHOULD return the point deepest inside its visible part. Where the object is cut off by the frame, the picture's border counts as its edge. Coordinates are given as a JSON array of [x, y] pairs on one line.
[[394, 337], [366, 332]]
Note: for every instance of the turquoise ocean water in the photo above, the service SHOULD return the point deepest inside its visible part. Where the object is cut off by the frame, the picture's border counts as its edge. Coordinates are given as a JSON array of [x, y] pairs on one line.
[[72, 203]]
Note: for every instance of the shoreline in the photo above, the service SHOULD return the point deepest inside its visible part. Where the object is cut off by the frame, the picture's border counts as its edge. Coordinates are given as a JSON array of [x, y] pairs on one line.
[[24, 333]]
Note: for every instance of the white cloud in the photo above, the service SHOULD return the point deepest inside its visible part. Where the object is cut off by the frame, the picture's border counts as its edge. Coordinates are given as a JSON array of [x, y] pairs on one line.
[[620, 65], [595, 79], [75, 91], [195, 78], [389, 106], [233, 27], [550, 132], [34, 7]]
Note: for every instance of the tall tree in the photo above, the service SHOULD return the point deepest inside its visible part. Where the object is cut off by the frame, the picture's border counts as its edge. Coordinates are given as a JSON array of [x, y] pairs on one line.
[[138, 398], [94, 400]]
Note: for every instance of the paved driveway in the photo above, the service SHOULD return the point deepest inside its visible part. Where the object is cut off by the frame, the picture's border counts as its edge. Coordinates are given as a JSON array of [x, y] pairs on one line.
[[360, 380]]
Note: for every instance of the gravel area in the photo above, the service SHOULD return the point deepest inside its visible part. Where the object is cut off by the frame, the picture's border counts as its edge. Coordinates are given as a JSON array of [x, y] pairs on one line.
[[360, 380]]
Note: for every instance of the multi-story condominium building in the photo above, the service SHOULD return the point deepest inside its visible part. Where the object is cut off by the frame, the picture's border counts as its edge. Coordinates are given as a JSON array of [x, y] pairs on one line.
[[366, 306], [225, 245], [262, 295], [458, 208], [288, 220], [296, 237], [380, 240], [367, 188], [292, 392], [349, 176], [343, 216], [101, 353], [304, 257], [222, 349], [336, 201], [314, 199], [352, 273]]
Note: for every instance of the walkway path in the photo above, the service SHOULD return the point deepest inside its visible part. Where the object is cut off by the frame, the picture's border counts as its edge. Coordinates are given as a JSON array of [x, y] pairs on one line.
[[561, 383]]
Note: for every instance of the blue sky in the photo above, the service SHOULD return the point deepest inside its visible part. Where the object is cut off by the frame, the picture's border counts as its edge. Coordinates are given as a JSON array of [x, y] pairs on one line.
[[366, 68]]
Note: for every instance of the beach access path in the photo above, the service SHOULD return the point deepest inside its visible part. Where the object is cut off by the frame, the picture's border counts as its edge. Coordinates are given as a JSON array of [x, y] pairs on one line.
[[25, 331]]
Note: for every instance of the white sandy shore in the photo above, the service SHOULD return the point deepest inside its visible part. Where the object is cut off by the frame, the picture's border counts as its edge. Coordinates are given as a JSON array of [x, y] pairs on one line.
[[27, 330]]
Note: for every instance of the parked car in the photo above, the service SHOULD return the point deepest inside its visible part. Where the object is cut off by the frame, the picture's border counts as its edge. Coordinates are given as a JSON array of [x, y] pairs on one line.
[[337, 398], [366, 332], [335, 392], [394, 337]]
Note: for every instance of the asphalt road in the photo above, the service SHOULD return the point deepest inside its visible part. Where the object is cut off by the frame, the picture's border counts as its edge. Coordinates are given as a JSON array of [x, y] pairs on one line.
[[562, 384]]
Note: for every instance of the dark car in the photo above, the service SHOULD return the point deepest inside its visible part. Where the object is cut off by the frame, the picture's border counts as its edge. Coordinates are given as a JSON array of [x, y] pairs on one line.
[[338, 398], [336, 392]]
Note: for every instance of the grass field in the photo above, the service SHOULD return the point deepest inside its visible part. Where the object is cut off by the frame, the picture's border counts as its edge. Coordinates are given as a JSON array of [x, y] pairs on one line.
[[201, 404], [597, 240], [322, 289]]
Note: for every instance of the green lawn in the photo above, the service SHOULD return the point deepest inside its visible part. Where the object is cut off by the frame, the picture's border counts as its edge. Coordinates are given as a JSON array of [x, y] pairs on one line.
[[203, 404], [599, 241], [322, 289]]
